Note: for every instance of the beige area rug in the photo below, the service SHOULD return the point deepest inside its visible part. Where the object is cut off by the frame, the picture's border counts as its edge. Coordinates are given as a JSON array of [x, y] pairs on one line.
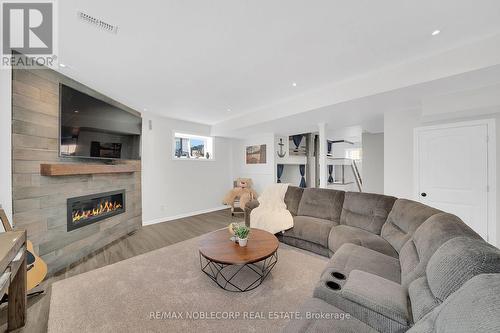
[[165, 291]]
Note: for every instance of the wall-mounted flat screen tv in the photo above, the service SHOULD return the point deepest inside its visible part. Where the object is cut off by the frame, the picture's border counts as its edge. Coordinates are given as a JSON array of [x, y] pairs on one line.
[[92, 128]]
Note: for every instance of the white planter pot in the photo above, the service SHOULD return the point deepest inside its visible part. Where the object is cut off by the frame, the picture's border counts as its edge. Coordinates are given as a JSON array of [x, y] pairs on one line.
[[242, 242]]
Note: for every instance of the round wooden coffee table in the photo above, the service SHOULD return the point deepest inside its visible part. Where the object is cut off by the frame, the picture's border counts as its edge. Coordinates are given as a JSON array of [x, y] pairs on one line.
[[236, 268]]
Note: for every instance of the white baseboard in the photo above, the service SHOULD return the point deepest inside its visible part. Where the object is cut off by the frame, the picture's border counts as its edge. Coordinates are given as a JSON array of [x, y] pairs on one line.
[[180, 216]]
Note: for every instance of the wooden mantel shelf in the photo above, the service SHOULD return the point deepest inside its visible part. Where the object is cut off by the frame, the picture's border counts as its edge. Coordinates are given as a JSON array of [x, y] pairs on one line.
[[71, 169]]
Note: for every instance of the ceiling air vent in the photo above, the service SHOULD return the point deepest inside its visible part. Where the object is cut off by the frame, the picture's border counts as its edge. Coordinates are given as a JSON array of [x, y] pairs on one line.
[[98, 22]]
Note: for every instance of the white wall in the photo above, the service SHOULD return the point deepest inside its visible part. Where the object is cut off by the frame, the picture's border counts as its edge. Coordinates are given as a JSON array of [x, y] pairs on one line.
[[5, 142], [398, 151], [175, 188], [373, 163], [482, 99], [262, 175]]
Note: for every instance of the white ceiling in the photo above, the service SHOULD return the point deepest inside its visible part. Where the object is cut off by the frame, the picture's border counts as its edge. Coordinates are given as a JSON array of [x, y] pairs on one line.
[[368, 112], [193, 60]]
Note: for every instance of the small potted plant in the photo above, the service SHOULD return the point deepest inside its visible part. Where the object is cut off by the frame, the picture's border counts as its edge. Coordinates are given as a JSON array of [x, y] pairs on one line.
[[242, 232]]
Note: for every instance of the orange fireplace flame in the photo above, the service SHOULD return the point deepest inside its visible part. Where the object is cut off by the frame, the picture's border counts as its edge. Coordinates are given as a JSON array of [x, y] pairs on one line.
[[104, 207]]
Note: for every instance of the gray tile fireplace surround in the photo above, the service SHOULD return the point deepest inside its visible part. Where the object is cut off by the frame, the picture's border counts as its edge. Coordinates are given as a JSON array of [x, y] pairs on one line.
[[40, 202]]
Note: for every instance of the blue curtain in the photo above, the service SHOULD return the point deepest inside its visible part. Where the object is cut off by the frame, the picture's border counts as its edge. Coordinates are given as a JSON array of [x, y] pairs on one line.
[[297, 139], [330, 171], [280, 172], [302, 169], [329, 147]]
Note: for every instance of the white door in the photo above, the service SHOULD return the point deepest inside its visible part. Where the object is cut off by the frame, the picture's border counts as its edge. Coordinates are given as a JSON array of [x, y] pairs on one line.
[[452, 171]]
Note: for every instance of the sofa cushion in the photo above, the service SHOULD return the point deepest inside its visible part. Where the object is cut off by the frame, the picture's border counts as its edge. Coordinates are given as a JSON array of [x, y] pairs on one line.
[[422, 299], [350, 257], [318, 316], [472, 308], [342, 234], [457, 261], [292, 199], [321, 203], [405, 217], [379, 295], [311, 229], [305, 245], [366, 308], [367, 211], [433, 233]]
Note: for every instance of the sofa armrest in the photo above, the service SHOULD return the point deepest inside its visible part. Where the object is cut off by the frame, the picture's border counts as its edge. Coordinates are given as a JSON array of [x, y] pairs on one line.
[[375, 293], [248, 209]]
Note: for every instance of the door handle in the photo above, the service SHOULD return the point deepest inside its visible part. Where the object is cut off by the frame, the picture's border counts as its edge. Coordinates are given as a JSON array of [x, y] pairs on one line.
[[423, 194]]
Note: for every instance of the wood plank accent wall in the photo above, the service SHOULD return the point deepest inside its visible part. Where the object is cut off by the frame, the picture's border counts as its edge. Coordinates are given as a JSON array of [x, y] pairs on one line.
[[39, 202]]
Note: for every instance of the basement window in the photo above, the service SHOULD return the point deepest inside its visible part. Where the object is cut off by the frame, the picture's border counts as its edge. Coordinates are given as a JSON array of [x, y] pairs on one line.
[[193, 147]]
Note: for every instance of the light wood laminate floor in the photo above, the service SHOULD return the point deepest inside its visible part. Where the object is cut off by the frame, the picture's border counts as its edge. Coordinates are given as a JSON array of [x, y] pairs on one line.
[[146, 239]]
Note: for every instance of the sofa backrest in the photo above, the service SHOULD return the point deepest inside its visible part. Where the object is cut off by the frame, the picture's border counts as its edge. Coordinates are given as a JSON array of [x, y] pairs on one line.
[[366, 211], [428, 237], [292, 199], [475, 307], [457, 261], [321, 203], [450, 267], [405, 217]]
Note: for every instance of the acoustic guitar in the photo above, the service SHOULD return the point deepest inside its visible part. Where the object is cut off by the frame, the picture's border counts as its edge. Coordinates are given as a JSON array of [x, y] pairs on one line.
[[37, 268]]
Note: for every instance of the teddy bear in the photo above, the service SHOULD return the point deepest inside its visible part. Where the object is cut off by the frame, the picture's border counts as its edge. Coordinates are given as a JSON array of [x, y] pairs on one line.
[[243, 191]]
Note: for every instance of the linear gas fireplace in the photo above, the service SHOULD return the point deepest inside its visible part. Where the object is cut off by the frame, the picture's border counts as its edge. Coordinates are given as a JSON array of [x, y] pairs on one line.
[[89, 209]]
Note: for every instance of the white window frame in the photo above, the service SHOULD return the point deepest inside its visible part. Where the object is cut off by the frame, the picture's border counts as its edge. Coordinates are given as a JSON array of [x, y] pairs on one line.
[[209, 141]]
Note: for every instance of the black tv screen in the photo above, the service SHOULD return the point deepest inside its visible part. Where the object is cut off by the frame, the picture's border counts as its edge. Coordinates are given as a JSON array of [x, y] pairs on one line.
[[92, 128]]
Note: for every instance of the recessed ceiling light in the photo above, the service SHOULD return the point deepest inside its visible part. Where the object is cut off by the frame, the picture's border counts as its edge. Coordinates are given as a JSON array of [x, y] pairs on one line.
[[436, 32], [76, 111], [294, 84], [228, 110], [145, 109], [62, 65]]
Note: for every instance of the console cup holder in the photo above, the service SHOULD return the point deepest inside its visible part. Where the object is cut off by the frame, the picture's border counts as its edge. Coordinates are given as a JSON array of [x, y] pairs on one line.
[[338, 275], [333, 285]]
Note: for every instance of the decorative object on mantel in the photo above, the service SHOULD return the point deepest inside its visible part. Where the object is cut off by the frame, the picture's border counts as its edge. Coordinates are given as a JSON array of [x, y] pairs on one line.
[[242, 232], [279, 172], [256, 154], [302, 170], [70, 169], [281, 153], [299, 147]]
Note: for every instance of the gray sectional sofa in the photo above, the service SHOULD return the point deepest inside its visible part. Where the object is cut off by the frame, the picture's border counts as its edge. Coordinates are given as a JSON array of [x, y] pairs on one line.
[[396, 265]]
